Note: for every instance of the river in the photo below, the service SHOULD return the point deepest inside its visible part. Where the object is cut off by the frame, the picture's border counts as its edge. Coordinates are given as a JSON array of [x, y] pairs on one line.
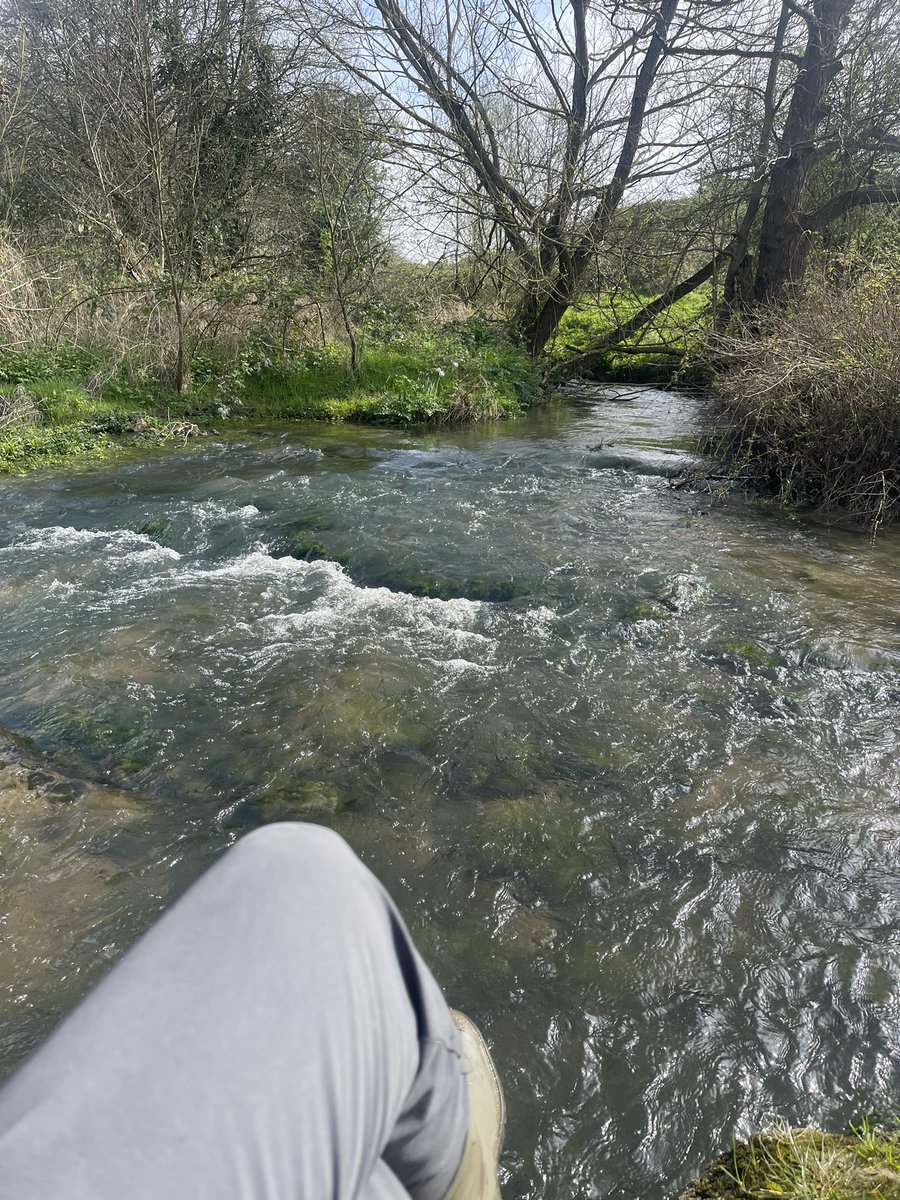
[[626, 755]]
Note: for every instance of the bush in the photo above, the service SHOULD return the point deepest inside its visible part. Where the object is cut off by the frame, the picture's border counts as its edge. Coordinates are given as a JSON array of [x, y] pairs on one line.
[[810, 402], [447, 374]]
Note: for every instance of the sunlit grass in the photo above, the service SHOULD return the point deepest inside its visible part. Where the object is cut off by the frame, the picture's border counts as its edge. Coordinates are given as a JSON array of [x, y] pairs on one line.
[[784, 1163], [679, 328], [61, 404], [443, 376]]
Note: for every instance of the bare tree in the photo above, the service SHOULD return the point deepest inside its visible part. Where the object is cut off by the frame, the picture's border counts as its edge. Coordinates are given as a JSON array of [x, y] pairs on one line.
[[345, 135], [150, 125], [807, 134], [826, 105], [553, 114]]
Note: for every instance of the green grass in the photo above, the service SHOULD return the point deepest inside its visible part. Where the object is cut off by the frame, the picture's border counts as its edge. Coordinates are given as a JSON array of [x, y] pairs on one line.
[[55, 412], [680, 327], [807, 1164], [25, 449], [457, 374], [70, 403]]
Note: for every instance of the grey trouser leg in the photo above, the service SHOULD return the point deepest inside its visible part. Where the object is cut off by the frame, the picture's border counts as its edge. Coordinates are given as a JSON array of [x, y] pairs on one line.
[[275, 1036]]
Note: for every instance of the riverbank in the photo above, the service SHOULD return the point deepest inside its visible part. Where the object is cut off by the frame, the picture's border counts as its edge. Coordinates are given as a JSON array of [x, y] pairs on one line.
[[806, 398], [800, 414], [72, 404], [806, 1164]]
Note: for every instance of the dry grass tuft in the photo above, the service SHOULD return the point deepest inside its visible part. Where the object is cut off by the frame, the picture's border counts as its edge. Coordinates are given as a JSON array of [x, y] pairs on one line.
[[18, 409], [811, 403], [806, 1164]]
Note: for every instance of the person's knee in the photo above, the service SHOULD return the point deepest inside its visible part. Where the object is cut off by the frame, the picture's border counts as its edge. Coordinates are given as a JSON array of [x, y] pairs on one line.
[[292, 865], [296, 842]]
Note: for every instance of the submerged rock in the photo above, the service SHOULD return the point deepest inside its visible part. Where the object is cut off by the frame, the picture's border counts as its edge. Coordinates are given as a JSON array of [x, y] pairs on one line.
[[55, 831], [27, 783], [413, 583], [305, 549], [495, 589], [740, 658], [538, 838], [296, 800], [647, 610], [315, 520], [683, 592], [101, 738], [156, 528], [373, 571], [668, 464]]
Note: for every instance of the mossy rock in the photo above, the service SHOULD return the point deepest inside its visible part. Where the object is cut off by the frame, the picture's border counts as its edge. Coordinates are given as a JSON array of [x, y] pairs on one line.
[[93, 732], [122, 749], [306, 549], [315, 521], [137, 760], [646, 610], [493, 588], [527, 931], [486, 775], [537, 838], [413, 583], [155, 528], [292, 801], [750, 653], [472, 947]]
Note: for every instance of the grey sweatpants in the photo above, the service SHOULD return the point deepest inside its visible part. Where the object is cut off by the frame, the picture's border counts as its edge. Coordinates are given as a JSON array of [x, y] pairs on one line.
[[275, 1036]]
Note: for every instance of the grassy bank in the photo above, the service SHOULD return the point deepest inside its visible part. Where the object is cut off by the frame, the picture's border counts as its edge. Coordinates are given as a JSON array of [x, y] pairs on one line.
[[58, 405], [806, 1164], [665, 352]]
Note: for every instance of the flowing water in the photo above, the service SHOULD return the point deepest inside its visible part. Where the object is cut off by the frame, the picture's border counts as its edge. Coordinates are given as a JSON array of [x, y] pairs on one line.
[[626, 757]]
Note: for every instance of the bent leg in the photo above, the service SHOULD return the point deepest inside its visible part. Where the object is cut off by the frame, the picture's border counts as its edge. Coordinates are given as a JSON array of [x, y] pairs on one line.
[[275, 1036]]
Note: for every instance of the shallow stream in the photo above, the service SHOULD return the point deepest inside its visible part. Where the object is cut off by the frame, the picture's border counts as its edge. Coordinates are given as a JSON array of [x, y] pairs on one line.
[[626, 756]]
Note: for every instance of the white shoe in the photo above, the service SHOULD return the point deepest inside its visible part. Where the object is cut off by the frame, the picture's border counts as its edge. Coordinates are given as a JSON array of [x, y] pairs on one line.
[[476, 1176]]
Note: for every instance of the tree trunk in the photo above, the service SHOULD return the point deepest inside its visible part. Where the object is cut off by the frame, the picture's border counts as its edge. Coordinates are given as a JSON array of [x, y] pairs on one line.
[[539, 318], [544, 308], [737, 293], [182, 371], [784, 242], [614, 338]]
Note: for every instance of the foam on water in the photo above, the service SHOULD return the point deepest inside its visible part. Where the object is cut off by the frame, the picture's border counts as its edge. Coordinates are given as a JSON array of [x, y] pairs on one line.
[[67, 537], [343, 605], [114, 547]]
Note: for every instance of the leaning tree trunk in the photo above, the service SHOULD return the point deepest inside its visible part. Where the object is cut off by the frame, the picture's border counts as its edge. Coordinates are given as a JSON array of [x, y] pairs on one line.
[[784, 241]]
